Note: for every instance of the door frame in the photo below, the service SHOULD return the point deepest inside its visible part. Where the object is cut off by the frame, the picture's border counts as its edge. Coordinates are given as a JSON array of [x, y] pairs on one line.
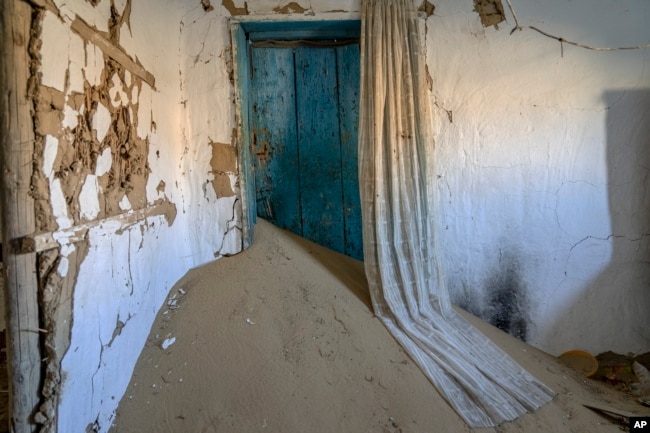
[[244, 29]]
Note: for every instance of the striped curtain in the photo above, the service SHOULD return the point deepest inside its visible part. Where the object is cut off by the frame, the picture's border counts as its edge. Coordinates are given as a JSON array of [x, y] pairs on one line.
[[397, 186]]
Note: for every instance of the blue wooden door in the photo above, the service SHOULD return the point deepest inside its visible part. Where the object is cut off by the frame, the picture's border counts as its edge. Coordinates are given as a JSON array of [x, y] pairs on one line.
[[304, 114]]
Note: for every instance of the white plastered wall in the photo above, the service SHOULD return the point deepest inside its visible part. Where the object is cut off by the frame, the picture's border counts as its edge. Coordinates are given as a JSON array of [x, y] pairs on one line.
[[542, 166], [129, 268]]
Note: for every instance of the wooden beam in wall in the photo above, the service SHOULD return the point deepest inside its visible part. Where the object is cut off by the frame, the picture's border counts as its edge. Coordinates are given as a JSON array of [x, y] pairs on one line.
[[17, 148], [93, 36], [38, 242]]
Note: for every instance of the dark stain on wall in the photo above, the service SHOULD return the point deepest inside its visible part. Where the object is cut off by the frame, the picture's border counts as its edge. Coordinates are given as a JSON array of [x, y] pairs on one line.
[[507, 305]]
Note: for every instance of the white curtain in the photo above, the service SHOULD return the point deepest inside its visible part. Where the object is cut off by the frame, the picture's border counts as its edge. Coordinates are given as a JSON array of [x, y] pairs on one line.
[[397, 184]]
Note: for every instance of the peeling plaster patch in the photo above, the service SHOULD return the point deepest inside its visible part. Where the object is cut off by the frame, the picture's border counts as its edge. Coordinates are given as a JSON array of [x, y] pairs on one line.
[[114, 129], [101, 121], [207, 7], [104, 162], [168, 210], [59, 205], [49, 154], [490, 11], [64, 265], [49, 111], [70, 117], [52, 51], [291, 8], [134, 94], [427, 7], [223, 163], [125, 204], [230, 6], [94, 64], [88, 198], [116, 93], [77, 60]]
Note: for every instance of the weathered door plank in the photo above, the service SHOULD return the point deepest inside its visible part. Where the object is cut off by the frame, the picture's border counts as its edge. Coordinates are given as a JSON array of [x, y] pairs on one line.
[[320, 146], [242, 95], [348, 71], [277, 175]]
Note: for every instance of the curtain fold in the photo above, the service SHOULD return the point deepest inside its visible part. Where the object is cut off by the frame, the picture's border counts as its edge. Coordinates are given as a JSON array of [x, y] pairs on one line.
[[397, 187]]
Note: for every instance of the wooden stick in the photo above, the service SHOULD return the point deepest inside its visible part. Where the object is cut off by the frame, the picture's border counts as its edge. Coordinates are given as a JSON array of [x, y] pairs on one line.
[[17, 147], [563, 41], [94, 36], [38, 242]]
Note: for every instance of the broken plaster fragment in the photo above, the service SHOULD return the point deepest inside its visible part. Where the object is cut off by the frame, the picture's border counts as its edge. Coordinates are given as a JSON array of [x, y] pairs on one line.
[[291, 8], [55, 39], [49, 155], [104, 162], [168, 342], [490, 11], [207, 7], [427, 7], [116, 93], [101, 121], [125, 204], [89, 198], [70, 117], [234, 11]]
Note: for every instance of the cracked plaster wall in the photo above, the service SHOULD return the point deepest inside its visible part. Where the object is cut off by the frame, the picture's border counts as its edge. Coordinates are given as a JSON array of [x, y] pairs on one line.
[[543, 171], [112, 143]]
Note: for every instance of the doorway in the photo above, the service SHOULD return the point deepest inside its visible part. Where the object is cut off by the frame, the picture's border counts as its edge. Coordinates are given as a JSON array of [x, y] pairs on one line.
[[301, 99]]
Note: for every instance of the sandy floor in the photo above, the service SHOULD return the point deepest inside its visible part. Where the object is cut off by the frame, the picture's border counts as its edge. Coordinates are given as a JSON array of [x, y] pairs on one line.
[[282, 338]]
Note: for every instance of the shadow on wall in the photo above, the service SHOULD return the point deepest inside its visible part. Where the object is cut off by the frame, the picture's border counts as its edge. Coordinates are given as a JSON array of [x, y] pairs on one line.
[[613, 311]]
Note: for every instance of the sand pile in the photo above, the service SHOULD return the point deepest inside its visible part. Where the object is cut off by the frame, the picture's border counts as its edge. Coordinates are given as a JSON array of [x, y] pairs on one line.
[[282, 338]]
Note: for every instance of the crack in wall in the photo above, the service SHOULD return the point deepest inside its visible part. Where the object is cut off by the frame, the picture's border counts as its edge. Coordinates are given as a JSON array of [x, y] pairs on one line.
[[235, 211], [632, 238], [57, 275]]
